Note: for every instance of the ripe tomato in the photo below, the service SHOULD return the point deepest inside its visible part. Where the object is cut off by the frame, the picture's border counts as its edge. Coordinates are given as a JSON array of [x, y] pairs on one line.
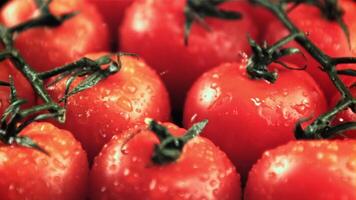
[[24, 89], [308, 170], [115, 104], [344, 116], [155, 31], [30, 174], [113, 12], [326, 35], [124, 170], [254, 114], [46, 48]]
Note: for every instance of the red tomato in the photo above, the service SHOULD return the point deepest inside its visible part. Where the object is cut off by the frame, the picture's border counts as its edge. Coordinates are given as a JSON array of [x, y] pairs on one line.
[[344, 116], [113, 12], [308, 170], [46, 48], [30, 174], [115, 104], [23, 88], [124, 170], [155, 30], [262, 16], [254, 114], [326, 35]]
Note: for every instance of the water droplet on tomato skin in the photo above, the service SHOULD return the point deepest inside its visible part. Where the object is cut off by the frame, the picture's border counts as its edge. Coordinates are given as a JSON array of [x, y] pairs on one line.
[[125, 104], [215, 76], [126, 172], [214, 183], [130, 88], [152, 185], [116, 183], [192, 119], [113, 167], [256, 101], [320, 155], [19, 190], [103, 189], [351, 165], [11, 187]]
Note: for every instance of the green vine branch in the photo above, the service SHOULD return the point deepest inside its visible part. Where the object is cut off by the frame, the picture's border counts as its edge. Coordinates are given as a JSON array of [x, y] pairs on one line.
[[15, 118], [321, 127]]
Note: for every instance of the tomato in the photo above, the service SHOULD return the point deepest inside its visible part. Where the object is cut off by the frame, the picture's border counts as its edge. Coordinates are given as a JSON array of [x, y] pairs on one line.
[[255, 115], [30, 174], [155, 31], [124, 170], [326, 35], [113, 12], [114, 104], [47, 48], [23, 88], [344, 116], [262, 16], [308, 170]]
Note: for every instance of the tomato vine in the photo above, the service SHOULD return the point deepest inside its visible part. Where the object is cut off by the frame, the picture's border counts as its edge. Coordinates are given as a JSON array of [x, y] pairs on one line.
[[321, 127], [84, 66]]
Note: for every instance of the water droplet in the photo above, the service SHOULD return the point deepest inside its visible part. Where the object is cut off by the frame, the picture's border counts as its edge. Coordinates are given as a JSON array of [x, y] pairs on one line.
[[152, 185], [103, 189], [130, 88], [19, 190], [256, 101], [116, 183], [216, 76], [125, 104], [272, 175], [113, 167], [214, 85], [213, 183], [351, 165], [11, 187], [320, 155], [126, 172], [192, 119]]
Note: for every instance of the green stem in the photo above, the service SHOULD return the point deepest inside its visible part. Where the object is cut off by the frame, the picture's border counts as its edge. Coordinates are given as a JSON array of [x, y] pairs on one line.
[[327, 62]]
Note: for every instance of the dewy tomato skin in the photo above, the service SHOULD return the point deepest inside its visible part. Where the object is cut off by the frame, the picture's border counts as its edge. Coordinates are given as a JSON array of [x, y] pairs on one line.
[[124, 170], [23, 88], [114, 104], [326, 35], [155, 31], [47, 48], [308, 170], [29, 174], [246, 116]]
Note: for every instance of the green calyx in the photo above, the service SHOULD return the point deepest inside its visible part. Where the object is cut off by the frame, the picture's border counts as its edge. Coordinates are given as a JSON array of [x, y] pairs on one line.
[[170, 147], [15, 117], [263, 56], [197, 10], [9, 122]]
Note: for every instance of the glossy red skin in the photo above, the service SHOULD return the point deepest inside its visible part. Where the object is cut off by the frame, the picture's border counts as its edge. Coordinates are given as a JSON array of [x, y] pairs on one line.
[[113, 12], [23, 88], [253, 114], [346, 115], [52, 47], [29, 174], [115, 104], [124, 170], [326, 35], [154, 30], [308, 170]]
